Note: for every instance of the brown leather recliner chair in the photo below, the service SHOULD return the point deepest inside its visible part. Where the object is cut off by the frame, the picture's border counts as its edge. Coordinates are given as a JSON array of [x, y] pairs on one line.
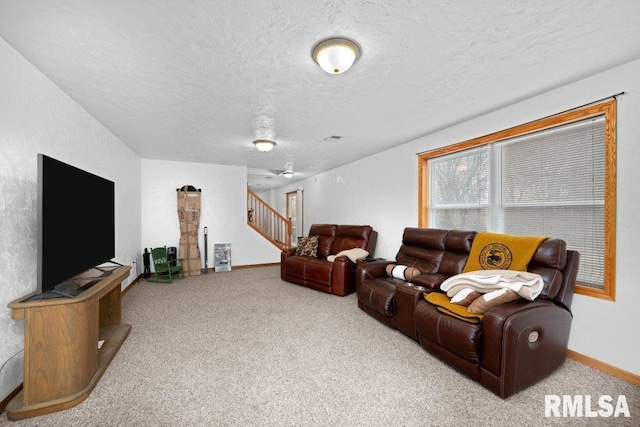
[[514, 346], [337, 277]]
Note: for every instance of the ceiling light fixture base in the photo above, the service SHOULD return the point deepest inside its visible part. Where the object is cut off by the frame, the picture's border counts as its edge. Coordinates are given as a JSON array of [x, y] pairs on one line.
[[336, 55], [264, 145]]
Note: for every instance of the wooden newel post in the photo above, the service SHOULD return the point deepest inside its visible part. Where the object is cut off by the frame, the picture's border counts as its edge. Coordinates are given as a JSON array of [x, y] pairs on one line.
[[289, 231]]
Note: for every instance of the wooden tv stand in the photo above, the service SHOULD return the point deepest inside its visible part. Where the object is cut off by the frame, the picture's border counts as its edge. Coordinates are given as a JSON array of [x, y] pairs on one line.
[[62, 362]]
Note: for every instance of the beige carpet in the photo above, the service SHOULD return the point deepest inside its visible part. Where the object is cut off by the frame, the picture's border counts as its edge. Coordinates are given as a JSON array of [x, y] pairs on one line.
[[244, 348]]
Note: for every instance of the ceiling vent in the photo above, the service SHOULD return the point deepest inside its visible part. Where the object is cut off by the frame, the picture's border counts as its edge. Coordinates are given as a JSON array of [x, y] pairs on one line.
[[332, 138]]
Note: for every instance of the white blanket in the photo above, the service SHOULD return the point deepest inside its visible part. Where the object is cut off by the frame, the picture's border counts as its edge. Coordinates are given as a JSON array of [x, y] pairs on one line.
[[353, 254], [527, 285]]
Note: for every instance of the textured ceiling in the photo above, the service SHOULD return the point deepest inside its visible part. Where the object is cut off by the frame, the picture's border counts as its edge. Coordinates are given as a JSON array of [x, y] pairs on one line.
[[198, 81]]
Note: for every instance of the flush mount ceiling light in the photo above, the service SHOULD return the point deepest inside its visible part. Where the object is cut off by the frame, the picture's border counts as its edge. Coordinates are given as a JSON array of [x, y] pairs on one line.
[[264, 144], [336, 55], [287, 174]]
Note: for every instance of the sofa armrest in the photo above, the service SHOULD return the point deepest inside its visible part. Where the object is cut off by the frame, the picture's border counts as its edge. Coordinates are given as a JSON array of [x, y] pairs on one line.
[[289, 251], [523, 342], [343, 276], [286, 253], [370, 270]]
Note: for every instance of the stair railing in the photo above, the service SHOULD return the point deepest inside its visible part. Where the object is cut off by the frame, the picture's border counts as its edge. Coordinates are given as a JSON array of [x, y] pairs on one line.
[[267, 221]]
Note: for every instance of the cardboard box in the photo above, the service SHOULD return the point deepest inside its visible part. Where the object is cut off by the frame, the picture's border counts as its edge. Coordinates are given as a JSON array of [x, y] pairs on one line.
[[189, 228], [188, 251], [189, 200], [192, 267], [189, 217]]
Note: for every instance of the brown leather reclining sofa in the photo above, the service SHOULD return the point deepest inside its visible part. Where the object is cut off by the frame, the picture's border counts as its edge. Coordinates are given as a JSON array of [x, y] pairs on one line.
[[337, 277], [515, 345]]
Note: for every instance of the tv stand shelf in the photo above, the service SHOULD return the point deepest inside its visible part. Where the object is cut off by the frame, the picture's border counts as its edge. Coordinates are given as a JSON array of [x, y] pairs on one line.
[[62, 362]]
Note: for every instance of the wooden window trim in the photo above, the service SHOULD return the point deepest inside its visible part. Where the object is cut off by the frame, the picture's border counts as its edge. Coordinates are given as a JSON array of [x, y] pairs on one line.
[[608, 109]]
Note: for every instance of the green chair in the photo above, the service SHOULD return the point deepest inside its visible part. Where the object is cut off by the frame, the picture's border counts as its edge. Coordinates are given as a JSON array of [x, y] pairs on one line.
[[165, 269]]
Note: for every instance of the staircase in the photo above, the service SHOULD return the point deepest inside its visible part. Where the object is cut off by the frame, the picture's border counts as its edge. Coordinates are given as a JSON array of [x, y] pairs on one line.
[[266, 221]]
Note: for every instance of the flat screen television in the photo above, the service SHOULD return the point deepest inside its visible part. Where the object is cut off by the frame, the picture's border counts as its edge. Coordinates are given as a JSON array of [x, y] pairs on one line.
[[76, 225]]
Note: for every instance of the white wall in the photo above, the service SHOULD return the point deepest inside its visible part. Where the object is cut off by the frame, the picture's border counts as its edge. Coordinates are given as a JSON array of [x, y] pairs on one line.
[[36, 116], [223, 210], [382, 190]]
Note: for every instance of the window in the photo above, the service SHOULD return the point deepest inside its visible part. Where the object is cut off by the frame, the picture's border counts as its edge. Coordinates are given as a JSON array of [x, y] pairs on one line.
[[553, 177]]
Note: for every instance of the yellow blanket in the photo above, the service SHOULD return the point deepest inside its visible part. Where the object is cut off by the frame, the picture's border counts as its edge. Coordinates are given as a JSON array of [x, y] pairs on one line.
[[444, 305], [495, 251]]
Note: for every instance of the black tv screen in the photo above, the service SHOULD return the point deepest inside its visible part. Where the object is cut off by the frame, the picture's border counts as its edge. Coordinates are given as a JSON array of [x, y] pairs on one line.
[[76, 222]]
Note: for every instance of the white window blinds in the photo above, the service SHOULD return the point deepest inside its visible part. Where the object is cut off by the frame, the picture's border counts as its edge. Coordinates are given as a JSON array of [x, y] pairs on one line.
[[548, 183]]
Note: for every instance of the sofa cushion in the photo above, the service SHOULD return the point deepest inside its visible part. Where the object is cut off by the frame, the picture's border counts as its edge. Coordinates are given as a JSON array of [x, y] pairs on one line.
[[434, 250], [351, 236], [457, 248], [549, 259], [460, 241], [424, 259], [425, 237], [323, 229], [307, 246], [326, 233]]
